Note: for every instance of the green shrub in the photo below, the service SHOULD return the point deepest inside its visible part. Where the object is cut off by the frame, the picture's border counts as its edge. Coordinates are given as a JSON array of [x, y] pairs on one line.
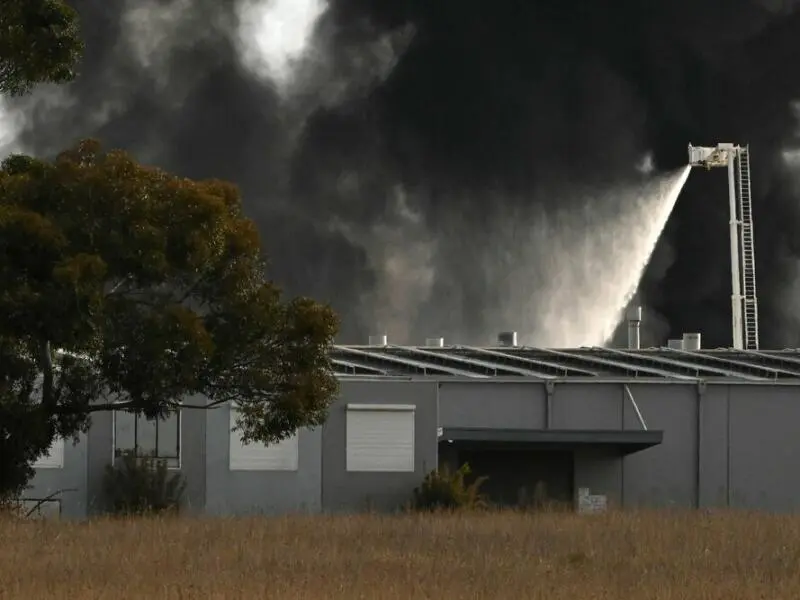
[[138, 485], [443, 489]]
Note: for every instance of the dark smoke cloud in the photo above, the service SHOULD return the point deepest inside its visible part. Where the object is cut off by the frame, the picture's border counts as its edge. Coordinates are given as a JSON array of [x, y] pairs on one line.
[[389, 177]]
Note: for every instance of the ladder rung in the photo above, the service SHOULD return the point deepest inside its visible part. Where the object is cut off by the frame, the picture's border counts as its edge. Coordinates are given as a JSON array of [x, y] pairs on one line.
[[748, 251]]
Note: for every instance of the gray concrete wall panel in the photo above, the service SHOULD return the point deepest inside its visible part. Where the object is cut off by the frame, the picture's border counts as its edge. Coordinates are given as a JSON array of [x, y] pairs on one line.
[[69, 480], [665, 475], [765, 447], [260, 492], [479, 404], [713, 444], [354, 491], [587, 406]]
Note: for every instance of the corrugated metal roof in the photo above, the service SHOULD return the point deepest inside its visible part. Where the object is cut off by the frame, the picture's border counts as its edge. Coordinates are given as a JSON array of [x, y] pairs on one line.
[[583, 363]]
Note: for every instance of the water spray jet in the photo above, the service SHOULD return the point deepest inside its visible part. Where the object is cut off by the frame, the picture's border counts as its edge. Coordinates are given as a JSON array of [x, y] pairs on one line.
[[615, 235], [601, 309]]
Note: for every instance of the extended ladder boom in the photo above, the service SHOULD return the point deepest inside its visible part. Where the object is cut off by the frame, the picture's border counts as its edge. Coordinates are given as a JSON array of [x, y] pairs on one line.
[[744, 304], [747, 250]]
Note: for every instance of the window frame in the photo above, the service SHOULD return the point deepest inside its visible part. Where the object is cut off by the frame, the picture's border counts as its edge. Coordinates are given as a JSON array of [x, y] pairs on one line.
[[174, 463]]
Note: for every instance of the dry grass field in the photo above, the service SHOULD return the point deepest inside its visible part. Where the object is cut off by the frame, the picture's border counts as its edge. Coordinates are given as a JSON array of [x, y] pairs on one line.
[[502, 555]]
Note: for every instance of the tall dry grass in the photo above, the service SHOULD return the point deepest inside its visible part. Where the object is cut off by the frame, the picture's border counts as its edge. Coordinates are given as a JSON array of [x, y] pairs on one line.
[[507, 555]]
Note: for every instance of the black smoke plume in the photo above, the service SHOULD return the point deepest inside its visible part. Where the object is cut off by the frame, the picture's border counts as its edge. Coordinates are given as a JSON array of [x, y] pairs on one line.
[[387, 180]]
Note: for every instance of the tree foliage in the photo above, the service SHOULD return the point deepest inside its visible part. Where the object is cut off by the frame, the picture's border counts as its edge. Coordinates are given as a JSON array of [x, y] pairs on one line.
[[39, 42], [122, 286]]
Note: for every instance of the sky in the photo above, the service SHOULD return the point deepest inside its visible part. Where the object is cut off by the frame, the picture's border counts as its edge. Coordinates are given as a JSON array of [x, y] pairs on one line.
[[397, 156]]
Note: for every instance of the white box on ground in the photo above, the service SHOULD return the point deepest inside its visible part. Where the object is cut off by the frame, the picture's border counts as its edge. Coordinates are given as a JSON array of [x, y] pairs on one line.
[[589, 503]]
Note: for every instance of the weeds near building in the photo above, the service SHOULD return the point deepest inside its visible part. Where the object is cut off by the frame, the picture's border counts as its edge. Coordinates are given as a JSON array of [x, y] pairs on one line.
[[443, 489], [138, 485]]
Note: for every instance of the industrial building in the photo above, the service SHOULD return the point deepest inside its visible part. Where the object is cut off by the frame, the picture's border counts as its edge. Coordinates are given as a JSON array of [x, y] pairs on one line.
[[677, 426]]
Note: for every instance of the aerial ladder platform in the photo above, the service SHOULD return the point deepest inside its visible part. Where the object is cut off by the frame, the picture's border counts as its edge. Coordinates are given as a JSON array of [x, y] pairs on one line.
[[744, 300]]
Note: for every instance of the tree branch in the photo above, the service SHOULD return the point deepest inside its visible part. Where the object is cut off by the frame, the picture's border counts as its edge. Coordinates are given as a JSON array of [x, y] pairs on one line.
[[118, 285], [92, 408], [132, 404], [193, 287], [47, 499], [210, 405]]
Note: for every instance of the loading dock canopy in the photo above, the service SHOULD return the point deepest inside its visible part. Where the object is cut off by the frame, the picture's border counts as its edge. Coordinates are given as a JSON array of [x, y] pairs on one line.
[[627, 442]]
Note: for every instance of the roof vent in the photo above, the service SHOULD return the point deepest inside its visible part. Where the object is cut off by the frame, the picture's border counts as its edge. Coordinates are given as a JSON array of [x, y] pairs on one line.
[[507, 338], [436, 342], [691, 341], [379, 340], [634, 324], [675, 344]]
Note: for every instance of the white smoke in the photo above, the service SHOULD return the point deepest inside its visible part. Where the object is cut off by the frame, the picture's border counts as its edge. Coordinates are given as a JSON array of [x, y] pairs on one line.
[[784, 7], [352, 67], [274, 35], [646, 166], [787, 305], [401, 250], [295, 47], [307, 58], [12, 121], [150, 30]]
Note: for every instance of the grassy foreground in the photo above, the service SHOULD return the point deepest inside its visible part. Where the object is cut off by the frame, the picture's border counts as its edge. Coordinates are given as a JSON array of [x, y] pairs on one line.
[[503, 555]]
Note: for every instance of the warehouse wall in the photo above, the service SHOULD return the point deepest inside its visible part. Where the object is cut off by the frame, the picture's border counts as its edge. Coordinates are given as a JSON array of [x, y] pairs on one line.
[[350, 491], [101, 442], [734, 445], [193, 455], [764, 456], [601, 471], [69, 479], [724, 444], [234, 492], [487, 404], [100, 451], [665, 475], [713, 445]]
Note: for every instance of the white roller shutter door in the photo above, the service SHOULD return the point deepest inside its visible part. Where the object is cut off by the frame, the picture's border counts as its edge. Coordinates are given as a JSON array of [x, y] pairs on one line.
[[283, 456], [380, 438]]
